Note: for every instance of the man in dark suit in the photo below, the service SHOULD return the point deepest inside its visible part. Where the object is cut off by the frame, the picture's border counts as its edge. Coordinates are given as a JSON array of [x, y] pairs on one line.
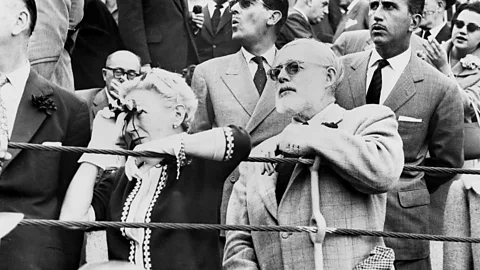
[[355, 16], [429, 111], [119, 67], [215, 38], [34, 182], [325, 30], [160, 32], [433, 24], [300, 19]]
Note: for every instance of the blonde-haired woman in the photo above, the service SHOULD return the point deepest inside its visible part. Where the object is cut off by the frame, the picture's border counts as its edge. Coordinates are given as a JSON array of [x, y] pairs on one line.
[[158, 110]]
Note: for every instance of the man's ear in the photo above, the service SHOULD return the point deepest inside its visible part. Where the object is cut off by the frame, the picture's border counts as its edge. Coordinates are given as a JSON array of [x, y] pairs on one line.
[[180, 114], [415, 21], [22, 23], [275, 17], [331, 77], [104, 74]]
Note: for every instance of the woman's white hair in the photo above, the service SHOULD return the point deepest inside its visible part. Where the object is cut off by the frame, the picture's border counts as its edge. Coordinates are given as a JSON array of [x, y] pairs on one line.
[[171, 87]]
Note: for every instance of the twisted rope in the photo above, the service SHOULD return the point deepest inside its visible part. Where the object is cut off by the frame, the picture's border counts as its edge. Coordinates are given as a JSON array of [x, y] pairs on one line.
[[193, 226], [81, 150]]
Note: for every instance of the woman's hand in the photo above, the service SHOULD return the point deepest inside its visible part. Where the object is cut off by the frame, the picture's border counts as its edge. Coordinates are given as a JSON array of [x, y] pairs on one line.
[[438, 56]]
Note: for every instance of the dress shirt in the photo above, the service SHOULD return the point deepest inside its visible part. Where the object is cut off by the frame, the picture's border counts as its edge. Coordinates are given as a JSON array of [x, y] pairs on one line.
[[268, 58], [212, 6], [12, 92], [393, 71], [434, 31]]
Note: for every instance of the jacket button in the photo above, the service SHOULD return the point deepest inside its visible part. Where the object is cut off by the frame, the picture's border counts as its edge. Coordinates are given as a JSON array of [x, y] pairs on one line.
[[285, 235], [214, 46]]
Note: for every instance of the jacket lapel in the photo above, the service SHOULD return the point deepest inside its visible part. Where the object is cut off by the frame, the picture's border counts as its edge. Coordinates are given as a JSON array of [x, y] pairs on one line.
[[226, 18], [265, 106], [404, 89], [100, 101], [266, 186], [458, 70], [28, 119], [240, 83], [357, 79], [208, 20]]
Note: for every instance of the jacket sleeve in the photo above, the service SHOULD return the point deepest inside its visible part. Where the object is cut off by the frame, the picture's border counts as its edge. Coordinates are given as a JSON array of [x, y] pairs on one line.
[[371, 158], [132, 28], [204, 117], [239, 252]]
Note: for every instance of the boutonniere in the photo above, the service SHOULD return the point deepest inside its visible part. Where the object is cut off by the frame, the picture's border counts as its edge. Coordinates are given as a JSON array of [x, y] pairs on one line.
[[470, 62], [44, 103]]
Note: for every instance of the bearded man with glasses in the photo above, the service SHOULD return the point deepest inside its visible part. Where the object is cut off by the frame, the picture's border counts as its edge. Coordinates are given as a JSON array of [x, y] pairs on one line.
[[234, 89], [361, 159]]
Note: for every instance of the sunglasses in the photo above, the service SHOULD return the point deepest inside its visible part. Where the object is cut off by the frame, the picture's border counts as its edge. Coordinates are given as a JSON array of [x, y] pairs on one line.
[[292, 68], [244, 4], [119, 72], [471, 27]]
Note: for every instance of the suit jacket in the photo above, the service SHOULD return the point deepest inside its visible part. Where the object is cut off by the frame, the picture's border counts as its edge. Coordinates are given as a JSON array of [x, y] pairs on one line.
[[218, 42], [35, 182], [422, 93], [326, 28], [226, 95], [296, 26], [360, 40], [158, 31], [442, 36], [348, 184], [96, 99], [356, 19]]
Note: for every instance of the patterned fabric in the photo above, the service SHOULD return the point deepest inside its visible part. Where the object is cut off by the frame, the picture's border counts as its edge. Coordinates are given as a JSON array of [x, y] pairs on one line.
[[230, 144], [381, 258], [3, 110], [260, 77]]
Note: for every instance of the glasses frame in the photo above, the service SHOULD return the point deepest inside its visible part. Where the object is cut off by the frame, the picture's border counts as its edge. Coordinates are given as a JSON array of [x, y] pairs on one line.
[[288, 66], [117, 75], [471, 27]]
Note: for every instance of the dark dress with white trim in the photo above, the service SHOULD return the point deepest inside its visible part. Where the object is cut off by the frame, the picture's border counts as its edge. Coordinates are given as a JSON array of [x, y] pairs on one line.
[[194, 197]]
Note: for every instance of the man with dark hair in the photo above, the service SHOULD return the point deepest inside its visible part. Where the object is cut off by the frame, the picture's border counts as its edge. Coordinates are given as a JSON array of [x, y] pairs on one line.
[[300, 19], [429, 111], [34, 110], [433, 24], [233, 89], [355, 16]]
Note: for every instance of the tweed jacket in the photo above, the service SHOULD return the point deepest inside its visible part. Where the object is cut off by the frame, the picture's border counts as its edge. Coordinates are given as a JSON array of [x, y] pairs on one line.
[[435, 105], [361, 160], [360, 40], [356, 19]]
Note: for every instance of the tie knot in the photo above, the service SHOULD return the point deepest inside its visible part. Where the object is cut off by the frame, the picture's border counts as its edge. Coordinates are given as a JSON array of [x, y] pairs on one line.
[[382, 63], [218, 6], [258, 60]]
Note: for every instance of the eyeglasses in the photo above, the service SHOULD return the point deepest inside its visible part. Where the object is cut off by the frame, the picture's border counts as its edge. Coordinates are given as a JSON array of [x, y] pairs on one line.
[[471, 27], [119, 72], [244, 4], [292, 68]]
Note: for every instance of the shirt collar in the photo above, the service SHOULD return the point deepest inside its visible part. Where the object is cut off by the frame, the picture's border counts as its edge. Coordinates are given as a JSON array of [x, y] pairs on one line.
[[301, 13], [110, 99], [397, 63], [434, 31], [331, 113], [212, 5], [18, 78], [352, 5], [269, 55]]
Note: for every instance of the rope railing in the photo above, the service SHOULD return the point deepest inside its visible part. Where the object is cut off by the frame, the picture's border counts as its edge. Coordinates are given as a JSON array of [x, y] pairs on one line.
[[81, 150], [196, 226]]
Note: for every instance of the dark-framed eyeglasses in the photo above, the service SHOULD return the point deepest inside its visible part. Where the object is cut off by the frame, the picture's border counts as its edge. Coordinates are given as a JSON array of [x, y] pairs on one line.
[[471, 27], [292, 68], [119, 72], [244, 4]]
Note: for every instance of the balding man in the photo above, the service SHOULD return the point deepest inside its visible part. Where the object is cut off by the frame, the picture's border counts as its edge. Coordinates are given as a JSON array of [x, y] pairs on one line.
[[119, 67], [362, 158]]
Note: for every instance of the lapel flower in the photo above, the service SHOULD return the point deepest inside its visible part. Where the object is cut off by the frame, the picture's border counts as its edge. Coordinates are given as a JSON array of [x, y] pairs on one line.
[[470, 61], [44, 103]]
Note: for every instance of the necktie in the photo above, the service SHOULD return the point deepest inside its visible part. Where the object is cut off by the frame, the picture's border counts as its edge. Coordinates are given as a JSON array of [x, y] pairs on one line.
[[260, 78], [426, 34], [375, 88], [216, 17], [3, 110]]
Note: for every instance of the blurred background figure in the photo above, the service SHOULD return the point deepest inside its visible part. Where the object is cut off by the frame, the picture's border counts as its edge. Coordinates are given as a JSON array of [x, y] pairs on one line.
[[300, 19], [355, 16], [433, 23], [112, 8], [97, 38], [187, 74], [215, 38]]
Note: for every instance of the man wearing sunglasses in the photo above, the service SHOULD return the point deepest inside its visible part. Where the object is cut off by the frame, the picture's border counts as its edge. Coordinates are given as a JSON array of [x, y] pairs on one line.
[[119, 67], [361, 158], [433, 24], [234, 89], [429, 112]]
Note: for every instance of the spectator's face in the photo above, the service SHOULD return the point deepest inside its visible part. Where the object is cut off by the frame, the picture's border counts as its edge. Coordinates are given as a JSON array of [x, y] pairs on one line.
[[125, 62], [10, 13], [301, 81], [318, 11], [430, 13], [391, 22], [467, 41], [249, 20]]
